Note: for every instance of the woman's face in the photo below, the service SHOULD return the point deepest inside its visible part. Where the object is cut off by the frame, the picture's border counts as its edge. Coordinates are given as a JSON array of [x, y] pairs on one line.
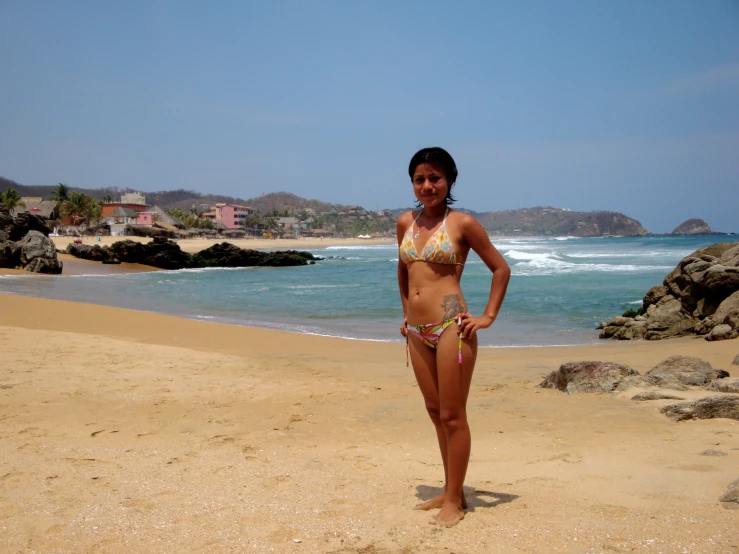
[[430, 184]]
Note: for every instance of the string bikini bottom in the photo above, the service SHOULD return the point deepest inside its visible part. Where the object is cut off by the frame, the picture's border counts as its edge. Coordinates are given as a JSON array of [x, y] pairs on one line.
[[430, 335]]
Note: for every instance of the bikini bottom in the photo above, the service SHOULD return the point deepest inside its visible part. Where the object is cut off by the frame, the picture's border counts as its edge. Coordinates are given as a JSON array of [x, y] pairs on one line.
[[430, 335]]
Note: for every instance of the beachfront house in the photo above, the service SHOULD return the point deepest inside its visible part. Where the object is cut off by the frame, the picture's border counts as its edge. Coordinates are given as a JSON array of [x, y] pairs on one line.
[[45, 209]]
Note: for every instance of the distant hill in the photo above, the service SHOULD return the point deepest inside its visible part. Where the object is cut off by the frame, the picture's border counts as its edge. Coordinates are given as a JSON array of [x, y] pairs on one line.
[[527, 221], [558, 222], [693, 227]]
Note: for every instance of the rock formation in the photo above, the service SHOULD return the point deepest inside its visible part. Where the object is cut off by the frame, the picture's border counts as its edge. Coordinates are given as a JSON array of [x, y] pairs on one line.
[[165, 254], [692, 227], [25, 244], [700, 296]]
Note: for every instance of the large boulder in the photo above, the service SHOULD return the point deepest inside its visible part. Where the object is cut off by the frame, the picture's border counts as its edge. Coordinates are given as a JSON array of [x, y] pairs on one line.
[[705, 408], [591, 376], [36, 245], [654, 295], [681, 372], [726, 309], [722, 332], [668, 319]]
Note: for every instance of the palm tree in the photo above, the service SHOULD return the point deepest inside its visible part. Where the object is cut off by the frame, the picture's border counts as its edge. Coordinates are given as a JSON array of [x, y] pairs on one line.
[[11, 199], [75, 206], [92, 212], [60, 194]]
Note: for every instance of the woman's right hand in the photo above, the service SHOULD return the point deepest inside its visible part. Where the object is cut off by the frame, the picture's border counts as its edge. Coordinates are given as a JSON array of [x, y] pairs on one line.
[[404, 327]]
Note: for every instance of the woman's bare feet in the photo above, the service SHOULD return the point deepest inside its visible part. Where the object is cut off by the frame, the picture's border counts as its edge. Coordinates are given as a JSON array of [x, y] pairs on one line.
[[449, 516], [437, 502]]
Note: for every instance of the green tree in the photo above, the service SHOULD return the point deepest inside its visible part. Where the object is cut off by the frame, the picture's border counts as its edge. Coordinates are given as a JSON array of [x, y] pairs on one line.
[[107, 199], [76, 206], [92, 212], [11, 199]]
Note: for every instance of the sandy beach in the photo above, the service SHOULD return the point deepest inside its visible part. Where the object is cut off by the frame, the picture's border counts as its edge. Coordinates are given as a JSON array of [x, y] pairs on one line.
[[196, 245], [128, 431]]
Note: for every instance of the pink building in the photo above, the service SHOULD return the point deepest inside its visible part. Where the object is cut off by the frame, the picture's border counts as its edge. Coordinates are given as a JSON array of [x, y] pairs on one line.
[[145, 218], [231, 215]]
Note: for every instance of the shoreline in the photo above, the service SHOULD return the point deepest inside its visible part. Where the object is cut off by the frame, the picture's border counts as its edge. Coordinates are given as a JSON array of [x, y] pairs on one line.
[[138, 432]]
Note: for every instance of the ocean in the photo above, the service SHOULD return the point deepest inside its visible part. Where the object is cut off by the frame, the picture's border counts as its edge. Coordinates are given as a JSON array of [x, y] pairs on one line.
[[560, 289]]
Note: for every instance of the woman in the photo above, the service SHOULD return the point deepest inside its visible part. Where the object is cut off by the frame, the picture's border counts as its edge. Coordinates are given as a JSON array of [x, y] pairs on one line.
[[441, 335]]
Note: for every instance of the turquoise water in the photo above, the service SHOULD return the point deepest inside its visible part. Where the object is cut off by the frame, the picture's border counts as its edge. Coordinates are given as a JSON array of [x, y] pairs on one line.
[[560, 289]]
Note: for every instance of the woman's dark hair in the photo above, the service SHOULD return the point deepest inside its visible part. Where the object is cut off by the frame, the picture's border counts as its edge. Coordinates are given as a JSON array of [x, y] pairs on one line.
[[442, 158]]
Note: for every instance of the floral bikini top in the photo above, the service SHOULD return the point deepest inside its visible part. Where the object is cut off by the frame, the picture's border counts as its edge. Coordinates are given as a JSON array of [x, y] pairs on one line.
[[438, 248]]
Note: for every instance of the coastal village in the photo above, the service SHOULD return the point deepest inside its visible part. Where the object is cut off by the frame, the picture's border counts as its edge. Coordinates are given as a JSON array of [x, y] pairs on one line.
[[78, 214]]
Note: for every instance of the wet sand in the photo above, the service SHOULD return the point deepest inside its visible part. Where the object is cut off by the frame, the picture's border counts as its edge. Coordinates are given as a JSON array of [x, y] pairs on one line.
[[125, 431]]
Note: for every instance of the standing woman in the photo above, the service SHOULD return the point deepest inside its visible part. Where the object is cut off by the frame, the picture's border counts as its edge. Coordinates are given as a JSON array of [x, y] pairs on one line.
[[441, 335]]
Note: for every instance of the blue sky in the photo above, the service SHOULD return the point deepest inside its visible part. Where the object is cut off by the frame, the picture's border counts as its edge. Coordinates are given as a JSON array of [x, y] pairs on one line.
[[588, 105]]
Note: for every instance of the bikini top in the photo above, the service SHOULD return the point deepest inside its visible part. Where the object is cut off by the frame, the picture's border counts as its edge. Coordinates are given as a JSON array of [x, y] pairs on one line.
[[438, 248]]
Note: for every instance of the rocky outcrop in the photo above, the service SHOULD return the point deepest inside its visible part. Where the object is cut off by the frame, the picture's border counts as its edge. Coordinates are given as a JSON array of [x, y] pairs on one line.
[[165, 254], [25, 244], [160, 252], [705, 408], [227, 255], [692, 227], [574, 377], [700, 297]]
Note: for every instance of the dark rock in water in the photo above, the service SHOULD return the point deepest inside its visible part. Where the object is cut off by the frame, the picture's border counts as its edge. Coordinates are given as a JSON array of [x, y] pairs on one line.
[[227, 255], [692, 227], [727, 384], [19, 226], [705, 408], [160, 252], [589, 376], [165, 254], [654, 395], [680, 372], [730, 499]]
